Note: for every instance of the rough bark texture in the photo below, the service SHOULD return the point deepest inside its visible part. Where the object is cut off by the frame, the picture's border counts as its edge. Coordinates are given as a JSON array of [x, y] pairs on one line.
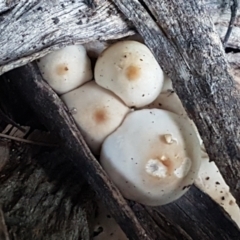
[[192, 55], [31, 29], [39, 199]]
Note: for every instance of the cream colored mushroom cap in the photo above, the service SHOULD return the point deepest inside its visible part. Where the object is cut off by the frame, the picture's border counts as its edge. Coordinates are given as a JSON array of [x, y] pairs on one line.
[[66, 69], [153, 157], [129, 69], [97, 112]]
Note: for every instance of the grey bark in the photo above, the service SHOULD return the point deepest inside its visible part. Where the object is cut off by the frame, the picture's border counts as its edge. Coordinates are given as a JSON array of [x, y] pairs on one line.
[[31, 29]]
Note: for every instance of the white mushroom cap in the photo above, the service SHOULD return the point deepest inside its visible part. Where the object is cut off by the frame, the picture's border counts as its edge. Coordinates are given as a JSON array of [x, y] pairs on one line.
[[211, 182], [129, 69], [97, 112], [66, 69], [153, 157]]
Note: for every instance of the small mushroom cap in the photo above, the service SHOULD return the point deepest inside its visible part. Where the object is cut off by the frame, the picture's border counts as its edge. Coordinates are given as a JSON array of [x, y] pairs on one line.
[[153, 157], [97, 112], [66, 69], [129, 69]]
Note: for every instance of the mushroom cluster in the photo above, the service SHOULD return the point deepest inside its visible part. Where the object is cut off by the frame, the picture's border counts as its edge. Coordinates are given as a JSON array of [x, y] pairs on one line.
[[129, 116]]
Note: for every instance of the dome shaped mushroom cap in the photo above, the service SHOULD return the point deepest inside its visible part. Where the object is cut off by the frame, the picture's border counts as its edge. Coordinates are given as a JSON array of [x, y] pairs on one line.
[[153, 157], [66, 69], [97, 112], [129, 69]]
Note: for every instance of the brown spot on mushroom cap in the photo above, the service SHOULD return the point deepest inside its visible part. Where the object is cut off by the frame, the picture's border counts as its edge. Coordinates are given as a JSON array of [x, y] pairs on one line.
[[168, 163], [62, 69], [133, 72], [100, 116]]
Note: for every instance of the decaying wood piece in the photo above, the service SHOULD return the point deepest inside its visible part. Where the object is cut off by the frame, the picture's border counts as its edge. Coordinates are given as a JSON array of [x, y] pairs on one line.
[[191, 53], [36, 201], [31, 29], [199, 216], [3, 228], [157, 226]]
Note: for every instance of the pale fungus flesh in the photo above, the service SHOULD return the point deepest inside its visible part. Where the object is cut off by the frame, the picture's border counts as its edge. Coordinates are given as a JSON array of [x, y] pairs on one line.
[[153, 157], [129, 70], [66, 68], [97, 112]]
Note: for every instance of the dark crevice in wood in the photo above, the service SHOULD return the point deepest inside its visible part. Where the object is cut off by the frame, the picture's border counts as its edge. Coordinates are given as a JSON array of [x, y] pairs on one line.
[[15, 108], [8, 120], [232, 50], [145, 6]]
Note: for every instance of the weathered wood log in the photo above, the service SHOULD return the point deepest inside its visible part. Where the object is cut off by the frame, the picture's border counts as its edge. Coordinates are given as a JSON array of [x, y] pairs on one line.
[[195, 213], [38, 199], [53, 113], [30, 29]]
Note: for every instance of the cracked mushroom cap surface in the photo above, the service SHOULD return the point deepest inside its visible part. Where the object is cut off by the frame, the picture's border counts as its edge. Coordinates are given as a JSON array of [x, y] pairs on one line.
[[97, 112], [153, 157], [66, 68], [129, 69]]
